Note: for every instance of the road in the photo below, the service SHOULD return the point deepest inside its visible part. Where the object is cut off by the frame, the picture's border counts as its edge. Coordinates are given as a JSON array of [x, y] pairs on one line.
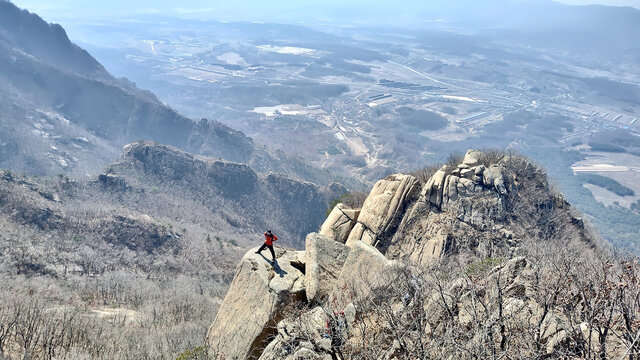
[[152, 45], [468, 90]]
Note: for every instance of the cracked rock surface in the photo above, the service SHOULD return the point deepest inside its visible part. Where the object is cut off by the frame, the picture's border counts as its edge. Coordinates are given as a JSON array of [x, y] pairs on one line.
[[339, 223], [258, 296], [324, 260], [458, 208], [383, 208]]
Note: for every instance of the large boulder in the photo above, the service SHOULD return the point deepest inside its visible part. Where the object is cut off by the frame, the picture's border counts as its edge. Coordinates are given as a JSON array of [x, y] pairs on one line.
[[472, 202], [260, 294], [425, 240], [433, 190], [472, 158], [339, 223], [365, 270], [495, 177], [383, 208], [449, 212], [324, 260]]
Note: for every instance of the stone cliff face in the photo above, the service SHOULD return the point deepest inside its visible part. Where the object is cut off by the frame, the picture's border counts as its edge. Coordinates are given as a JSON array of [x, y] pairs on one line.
[[290, 207], [485, 203], [211, 138], [457, 209], [265, 293]]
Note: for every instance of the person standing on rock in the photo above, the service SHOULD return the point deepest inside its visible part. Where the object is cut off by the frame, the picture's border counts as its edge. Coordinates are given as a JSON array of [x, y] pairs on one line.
[[269, 238]]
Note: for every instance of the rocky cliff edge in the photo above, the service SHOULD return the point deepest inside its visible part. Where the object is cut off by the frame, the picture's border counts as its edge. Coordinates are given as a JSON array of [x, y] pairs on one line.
[[484, 207]]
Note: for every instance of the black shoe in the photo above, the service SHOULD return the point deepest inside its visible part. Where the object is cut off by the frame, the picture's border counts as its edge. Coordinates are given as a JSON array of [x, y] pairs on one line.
[[257, 252]]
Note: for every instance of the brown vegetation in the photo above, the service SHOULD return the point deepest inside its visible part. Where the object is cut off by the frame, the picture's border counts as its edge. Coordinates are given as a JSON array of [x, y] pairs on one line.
[[574, 304], [546, 300], [84, 277], [112, 316]]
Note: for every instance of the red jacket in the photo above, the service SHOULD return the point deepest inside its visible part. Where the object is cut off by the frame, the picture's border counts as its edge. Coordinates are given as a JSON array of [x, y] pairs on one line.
[[269, 239]]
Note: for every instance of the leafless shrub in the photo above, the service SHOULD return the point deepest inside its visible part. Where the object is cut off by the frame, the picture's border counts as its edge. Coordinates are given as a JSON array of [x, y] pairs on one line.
[[355, 199], [423, 175], [454, 160], [561, 300], [492, 156], [121, 317]]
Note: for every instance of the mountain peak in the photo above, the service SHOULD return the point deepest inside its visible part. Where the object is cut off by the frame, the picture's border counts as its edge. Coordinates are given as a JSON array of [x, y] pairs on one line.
[[485, 207], [48, 42]]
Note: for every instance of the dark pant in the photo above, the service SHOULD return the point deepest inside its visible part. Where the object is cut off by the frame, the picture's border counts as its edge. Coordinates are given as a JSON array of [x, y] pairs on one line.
[[273, 254]]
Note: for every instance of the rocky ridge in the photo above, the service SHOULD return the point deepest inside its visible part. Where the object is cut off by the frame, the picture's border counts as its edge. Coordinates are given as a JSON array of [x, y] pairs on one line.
[[156, 201], [483, 208], [235, 191]]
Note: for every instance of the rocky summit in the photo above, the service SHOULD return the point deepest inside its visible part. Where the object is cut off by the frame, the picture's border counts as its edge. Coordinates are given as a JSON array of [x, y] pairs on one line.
[[449, 266]]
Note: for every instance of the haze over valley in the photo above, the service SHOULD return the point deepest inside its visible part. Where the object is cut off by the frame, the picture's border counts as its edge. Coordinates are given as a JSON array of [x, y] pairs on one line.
[[446, 179], [368, 100]]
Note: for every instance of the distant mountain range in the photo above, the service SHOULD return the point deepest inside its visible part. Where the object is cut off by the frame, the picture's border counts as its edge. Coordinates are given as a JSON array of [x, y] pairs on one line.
[[545, 21], [62, 112]]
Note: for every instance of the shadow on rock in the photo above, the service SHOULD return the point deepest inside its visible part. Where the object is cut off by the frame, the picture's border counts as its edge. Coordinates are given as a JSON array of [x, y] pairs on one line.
[[278, 269], [276, 266]]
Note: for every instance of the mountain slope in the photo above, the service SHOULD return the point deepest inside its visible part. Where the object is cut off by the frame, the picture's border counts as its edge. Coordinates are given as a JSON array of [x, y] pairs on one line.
[[31, 35], [62, 112], [61, 97]]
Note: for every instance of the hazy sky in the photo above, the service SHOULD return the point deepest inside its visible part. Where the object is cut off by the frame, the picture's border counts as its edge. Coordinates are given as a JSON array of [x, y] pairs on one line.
[[200, 6], [634, 3], [258, 10]]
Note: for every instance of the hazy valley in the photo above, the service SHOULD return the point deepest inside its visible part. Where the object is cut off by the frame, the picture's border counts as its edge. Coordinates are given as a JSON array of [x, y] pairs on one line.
[[374, 101], [125, 213]]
